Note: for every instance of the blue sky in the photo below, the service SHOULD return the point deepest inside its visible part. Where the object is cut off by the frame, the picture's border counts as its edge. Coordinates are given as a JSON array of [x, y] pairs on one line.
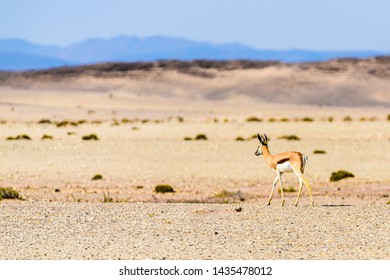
[[272, 24]]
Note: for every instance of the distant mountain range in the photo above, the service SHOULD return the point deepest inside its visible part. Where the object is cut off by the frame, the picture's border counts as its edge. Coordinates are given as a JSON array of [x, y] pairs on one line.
[[18, 54]]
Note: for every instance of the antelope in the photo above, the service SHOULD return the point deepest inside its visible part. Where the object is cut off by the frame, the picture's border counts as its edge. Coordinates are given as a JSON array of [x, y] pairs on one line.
[[286, 162]]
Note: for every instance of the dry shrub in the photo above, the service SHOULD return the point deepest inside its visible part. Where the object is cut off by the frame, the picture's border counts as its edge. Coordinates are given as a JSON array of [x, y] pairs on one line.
[[97, 177], [9, 193], [46, 137], [290, 137], [347, 119], [254, 136], [19, 137], [254, 119], [163, 188], [90, 137], [339, 175], [201, 137], [44, 121]]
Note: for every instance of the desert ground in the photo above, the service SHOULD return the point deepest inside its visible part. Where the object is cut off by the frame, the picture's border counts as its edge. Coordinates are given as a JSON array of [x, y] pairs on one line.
[[218, 207]]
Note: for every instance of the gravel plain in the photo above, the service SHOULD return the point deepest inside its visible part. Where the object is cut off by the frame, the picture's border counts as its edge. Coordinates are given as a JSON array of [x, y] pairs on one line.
[[58, 230]]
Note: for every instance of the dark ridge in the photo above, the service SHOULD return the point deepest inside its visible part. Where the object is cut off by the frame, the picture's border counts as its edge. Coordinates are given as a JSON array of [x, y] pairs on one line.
[[378, 67], [118, 68]]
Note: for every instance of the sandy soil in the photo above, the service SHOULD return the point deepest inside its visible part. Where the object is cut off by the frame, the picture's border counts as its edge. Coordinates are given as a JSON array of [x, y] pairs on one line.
[[141, 144]]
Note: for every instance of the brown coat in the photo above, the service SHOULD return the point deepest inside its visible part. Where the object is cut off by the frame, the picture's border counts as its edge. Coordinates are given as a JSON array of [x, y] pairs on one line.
[[272, 161]]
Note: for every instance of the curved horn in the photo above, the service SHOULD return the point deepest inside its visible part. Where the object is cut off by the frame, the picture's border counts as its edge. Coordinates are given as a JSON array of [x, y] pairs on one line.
[[260, 139]]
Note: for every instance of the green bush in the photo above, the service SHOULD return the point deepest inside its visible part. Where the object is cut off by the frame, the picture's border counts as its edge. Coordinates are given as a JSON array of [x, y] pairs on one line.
[[164, 189], [307, 119], [319, 152], [188, 138], [341, 174], [9, 193]]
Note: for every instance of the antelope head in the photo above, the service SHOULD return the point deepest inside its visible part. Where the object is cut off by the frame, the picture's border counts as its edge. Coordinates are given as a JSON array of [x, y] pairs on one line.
[[263, 141]]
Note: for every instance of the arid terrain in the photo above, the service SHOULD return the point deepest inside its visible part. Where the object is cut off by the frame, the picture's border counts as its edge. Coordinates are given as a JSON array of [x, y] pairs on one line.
[[146, 117]]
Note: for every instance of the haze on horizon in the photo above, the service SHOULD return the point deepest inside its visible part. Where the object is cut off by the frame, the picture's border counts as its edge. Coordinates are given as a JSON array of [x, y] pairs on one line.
[[304, 24]]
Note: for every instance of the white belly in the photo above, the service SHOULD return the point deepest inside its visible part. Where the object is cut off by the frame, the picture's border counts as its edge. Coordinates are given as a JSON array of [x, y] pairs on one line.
[[285, 167]]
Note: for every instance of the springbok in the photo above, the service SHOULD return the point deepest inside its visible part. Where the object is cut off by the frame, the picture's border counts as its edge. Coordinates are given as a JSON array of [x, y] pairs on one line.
[[286, 162]]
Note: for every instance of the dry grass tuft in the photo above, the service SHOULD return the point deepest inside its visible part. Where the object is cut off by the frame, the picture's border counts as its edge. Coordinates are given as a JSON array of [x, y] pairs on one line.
[[107, 198], [288, 190]]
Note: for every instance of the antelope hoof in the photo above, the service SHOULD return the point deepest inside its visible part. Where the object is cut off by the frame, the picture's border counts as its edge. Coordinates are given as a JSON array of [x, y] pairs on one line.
[[269, 203], [283, 203]]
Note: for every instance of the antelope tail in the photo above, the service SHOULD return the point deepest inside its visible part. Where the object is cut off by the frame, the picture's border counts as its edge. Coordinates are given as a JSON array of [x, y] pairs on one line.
[[305, 160]]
